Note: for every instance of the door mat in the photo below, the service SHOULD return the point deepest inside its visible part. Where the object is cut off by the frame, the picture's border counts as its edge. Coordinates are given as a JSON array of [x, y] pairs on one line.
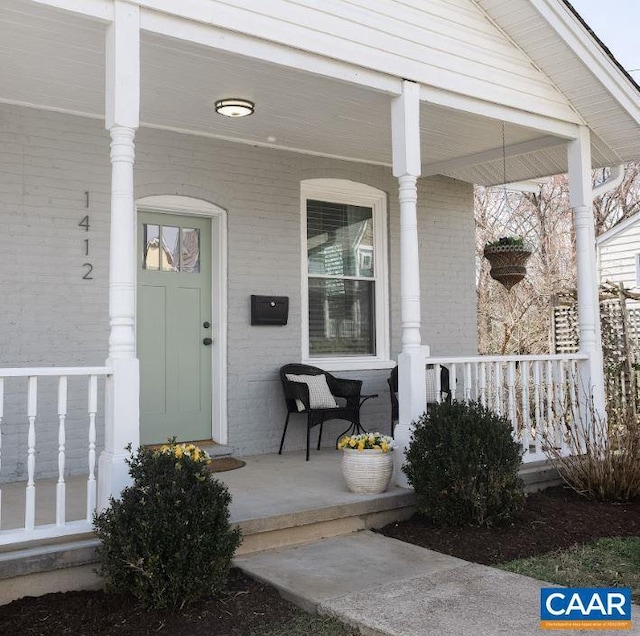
[[223, 464]]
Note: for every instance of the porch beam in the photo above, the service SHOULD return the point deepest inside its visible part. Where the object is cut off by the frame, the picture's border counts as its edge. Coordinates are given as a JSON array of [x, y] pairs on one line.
[[122, 109], [581, 200], [405, 125], [567, 129], [513, 150], [218, 37]]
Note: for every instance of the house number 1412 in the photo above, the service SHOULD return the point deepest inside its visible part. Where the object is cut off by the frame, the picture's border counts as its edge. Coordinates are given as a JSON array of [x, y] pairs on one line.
[[87, 266]]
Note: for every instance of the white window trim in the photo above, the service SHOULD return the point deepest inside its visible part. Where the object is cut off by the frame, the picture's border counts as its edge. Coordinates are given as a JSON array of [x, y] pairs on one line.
[[637, 259], [350, 193]]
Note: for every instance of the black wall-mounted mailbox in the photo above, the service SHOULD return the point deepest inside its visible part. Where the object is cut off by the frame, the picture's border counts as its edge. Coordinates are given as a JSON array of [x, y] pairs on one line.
[[269, 310]]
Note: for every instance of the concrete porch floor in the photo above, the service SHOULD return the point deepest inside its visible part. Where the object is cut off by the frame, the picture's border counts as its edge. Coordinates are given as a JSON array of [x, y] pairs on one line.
[[270, 491], [268, 486]]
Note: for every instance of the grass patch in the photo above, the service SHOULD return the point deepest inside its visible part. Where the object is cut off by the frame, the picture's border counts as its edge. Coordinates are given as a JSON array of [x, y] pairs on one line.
[[303, 624], [602, 563]]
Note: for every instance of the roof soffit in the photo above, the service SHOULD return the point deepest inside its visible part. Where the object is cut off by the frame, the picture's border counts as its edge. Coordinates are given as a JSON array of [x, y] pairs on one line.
[[559, 43]]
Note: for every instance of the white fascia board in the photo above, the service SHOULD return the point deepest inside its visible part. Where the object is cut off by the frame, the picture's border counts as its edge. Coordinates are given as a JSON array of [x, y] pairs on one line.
[[250, 46], [588, 50], [617, 229], [567, 129], [98, 9]]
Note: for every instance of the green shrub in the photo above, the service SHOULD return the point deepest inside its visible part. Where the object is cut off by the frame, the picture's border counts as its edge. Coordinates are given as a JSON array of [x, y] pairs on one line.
[[167, 540], [463, 464]]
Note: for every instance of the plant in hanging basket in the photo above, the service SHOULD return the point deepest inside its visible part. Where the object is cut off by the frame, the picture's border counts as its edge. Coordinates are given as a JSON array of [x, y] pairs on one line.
[[367, 462], [508, 257]]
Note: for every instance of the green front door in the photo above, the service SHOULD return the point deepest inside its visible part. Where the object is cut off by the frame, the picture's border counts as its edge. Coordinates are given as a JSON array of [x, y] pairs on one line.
[[174, 327]]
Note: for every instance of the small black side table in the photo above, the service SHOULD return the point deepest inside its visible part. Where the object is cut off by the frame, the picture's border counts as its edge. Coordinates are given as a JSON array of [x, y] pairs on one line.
[[355, 428]]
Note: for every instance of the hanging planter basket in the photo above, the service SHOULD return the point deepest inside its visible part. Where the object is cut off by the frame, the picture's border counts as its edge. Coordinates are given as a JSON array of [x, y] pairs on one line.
[[508, 262]]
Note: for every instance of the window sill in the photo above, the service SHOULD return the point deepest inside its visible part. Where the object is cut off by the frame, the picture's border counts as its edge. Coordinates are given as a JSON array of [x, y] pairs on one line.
[[350, 364]]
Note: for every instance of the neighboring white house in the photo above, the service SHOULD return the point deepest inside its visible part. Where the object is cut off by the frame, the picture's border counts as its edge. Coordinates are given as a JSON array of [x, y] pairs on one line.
[[619, 254], [137, 222]]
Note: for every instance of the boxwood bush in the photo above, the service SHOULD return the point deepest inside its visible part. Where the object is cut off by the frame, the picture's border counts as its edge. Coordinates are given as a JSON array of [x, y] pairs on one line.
[[167, 540], [463, 464]]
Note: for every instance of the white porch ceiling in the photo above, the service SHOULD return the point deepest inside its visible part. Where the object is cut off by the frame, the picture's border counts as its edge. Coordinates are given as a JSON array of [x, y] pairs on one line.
[[55, 60]]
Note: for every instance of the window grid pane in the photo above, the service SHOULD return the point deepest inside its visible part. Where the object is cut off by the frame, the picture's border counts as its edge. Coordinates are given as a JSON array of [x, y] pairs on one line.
[[170, 253], [190, 255], [340, 239], [150, 244], [341, 317]]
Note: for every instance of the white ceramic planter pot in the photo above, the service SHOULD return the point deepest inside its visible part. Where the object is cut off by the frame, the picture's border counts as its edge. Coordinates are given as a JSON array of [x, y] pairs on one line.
[[367, 472]]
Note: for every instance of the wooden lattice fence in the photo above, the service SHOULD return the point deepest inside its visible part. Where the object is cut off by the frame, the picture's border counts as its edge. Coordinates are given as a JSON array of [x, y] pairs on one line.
[[620, 327]]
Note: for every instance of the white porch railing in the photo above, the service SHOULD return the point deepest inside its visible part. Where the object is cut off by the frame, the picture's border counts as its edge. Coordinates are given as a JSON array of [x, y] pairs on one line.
[[31, 417], [532, 391]]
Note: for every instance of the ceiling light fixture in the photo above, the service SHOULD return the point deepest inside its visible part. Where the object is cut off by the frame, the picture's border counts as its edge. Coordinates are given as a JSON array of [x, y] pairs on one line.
[[234, 107]]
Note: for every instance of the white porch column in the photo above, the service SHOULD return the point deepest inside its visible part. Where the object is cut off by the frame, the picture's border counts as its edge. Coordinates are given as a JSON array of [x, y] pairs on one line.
[[122, 420], [405, 123], [581, 196]]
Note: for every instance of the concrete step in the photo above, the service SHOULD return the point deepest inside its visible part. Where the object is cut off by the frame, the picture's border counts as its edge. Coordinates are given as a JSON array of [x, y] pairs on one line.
[[293, 528], [539, 475], [37, 569]]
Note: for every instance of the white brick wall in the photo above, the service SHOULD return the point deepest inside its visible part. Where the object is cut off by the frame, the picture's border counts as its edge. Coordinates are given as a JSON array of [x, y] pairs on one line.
[[50, 316]]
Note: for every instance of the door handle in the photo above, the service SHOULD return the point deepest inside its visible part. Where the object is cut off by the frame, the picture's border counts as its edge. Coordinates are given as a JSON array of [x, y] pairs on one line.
[[207, 341]]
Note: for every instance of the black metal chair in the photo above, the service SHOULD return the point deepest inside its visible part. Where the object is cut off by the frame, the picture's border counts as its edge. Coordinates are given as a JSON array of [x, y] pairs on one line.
[[392, 381], [348, 393]]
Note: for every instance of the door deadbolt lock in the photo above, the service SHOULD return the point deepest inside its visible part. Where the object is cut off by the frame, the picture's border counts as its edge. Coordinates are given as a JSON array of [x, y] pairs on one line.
[[207, 341], [206, 324]]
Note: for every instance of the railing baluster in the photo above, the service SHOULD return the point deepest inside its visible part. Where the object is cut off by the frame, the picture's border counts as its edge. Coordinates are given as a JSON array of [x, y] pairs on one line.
[[561, 406], [32, 413], [573, 398], [483, 383], [438, 382], [526, 420], [498, 388], [91, 482], [453, 380], [60, 486], [511, 391], [537, 397], [467, 381]]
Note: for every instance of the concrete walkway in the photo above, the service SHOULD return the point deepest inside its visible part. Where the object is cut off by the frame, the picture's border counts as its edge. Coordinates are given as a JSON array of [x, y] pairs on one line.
[[384, 586]]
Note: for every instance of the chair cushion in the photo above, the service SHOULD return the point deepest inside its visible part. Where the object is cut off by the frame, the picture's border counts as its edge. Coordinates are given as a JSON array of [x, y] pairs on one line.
[[320, 396]]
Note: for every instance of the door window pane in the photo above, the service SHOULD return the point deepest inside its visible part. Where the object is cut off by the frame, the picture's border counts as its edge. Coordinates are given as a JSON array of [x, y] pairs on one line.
[[339, 239], [150, 246], [190, 258], [170, 255], [341, 317]]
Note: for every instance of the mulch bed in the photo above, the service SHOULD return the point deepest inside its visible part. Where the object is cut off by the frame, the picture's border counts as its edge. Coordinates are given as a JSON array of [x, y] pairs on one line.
[[553, 519], [246, 606]]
